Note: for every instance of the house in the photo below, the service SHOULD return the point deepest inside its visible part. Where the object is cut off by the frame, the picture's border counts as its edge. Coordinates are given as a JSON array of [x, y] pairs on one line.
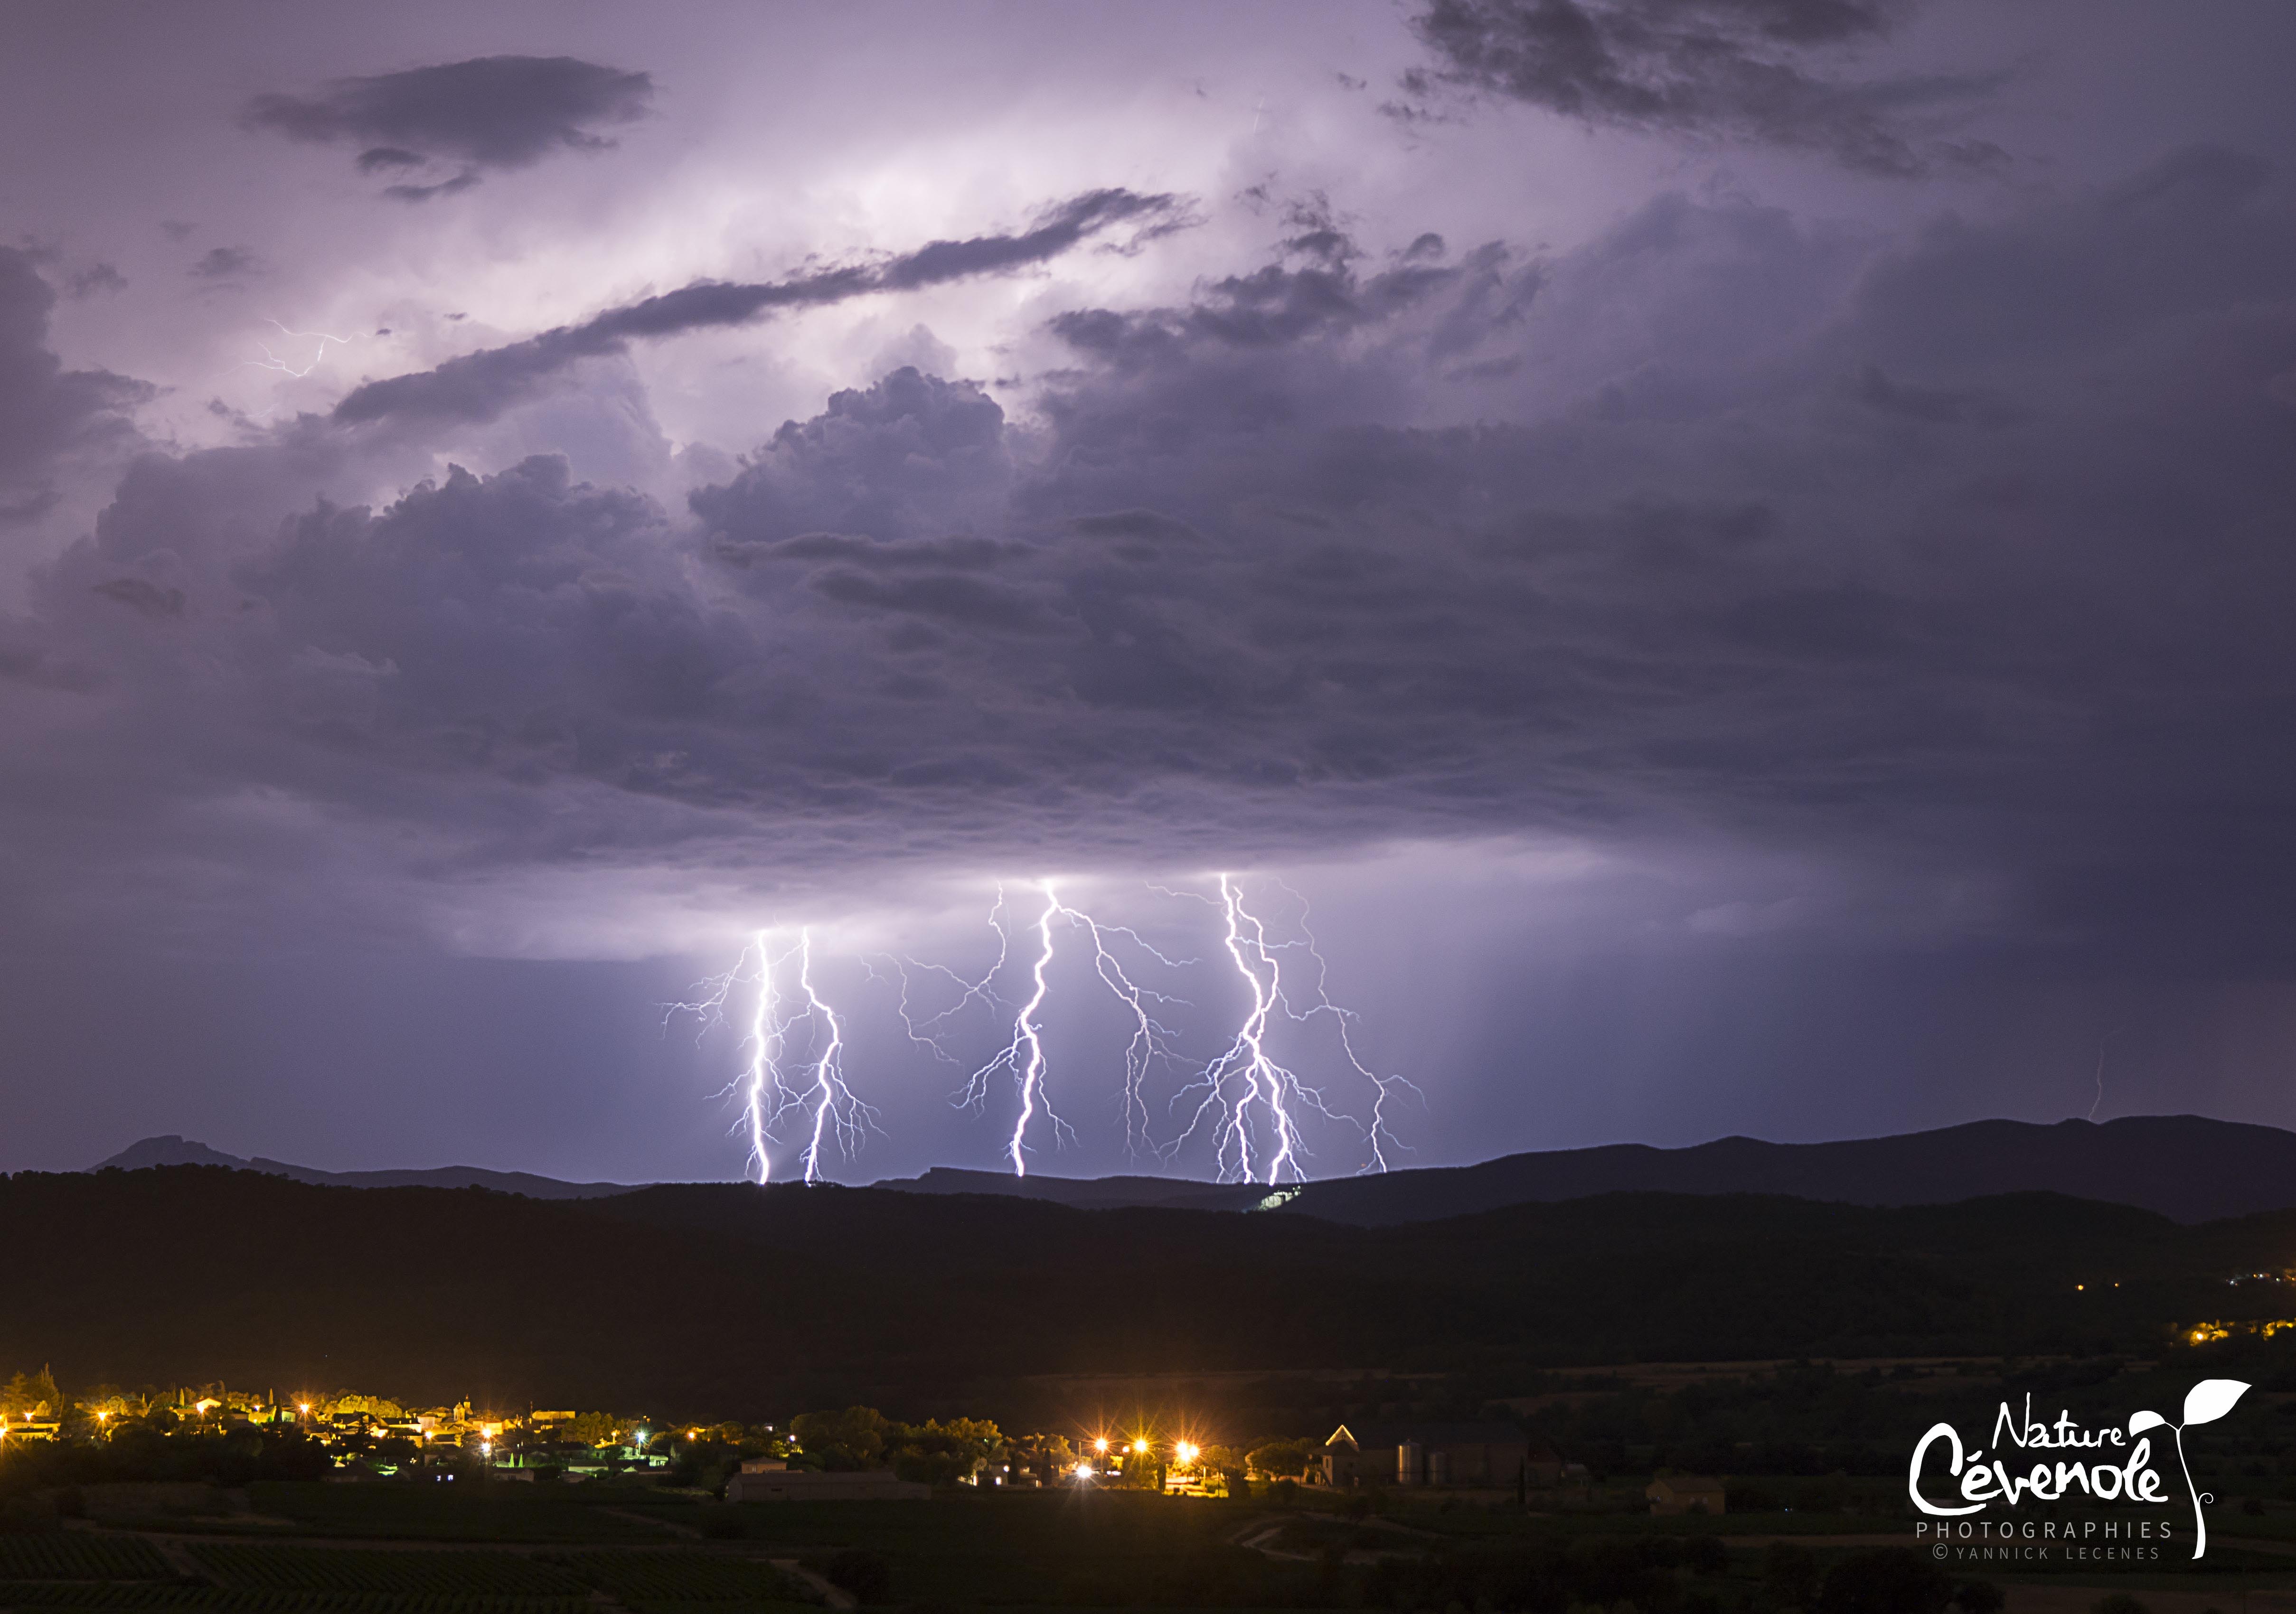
[[1486, 1456], [769, 1479], [1685, 1494]]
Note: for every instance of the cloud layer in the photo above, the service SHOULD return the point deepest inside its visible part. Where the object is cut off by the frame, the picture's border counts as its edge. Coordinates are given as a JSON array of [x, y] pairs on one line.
[[1960, 563]]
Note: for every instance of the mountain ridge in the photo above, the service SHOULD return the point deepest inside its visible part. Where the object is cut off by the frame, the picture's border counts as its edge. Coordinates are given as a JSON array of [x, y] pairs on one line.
[[2190, 1168], [172, 1148]]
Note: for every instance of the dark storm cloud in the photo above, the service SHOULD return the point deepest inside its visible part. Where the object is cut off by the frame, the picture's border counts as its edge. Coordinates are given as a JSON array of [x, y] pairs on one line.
[[1963, 553], [1751, 71], [479, 386], [94, 278], [224, 263], [491, 113], [147, 598], [46, 411]]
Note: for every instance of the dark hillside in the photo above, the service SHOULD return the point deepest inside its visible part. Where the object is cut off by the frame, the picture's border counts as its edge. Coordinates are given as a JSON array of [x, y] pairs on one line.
[[736, 1299]]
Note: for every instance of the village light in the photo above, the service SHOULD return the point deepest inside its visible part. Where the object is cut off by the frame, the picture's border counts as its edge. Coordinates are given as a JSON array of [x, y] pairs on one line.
[[1185, 1452], [1083, 1470], [1140, 1447], [1101, 1445]]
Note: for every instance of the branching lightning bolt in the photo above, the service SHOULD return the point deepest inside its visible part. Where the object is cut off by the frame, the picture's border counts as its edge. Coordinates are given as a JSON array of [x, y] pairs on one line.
[[764, 1088], [1246, 1100], [1023, 1056], [1149, 1044], [928, 1031], [1245, 1091], [834, 1106], [1376, 1135], [272, 361]]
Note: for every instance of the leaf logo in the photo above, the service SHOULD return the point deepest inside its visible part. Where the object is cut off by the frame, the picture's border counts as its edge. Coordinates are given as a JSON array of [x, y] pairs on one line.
[[2205, 1402]]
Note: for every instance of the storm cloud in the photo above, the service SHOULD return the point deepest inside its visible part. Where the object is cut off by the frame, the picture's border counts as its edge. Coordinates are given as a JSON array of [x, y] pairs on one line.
[[490, 113], [46, 412], [1731, 627], [1219, 597], [1760, 71], [479, 386]]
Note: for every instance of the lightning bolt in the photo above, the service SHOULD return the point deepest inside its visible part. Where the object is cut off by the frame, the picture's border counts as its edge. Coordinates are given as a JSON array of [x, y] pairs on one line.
[[928, 1031], [1246, 1100], [833, 1103], [1375, 1135], [1149, 1044], [272, 361], [764, 1088], [1246, 1093], [1023, 1055], [762, 1081]]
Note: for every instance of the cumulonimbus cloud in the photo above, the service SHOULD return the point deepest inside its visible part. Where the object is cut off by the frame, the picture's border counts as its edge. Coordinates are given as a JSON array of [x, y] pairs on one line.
[[1962, 552]]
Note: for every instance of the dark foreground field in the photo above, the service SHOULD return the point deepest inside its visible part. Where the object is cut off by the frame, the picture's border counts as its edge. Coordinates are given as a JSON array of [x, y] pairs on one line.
[[398, 1549]]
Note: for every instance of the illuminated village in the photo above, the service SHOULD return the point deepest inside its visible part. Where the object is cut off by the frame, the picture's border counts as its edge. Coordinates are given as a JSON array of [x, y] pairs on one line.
[[855, 1454]]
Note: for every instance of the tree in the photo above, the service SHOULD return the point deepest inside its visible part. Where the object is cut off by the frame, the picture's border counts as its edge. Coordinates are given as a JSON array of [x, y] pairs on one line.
[[937, 1454], [853, 1438], [595, 1429], [27, 1393], [1282, 1459]]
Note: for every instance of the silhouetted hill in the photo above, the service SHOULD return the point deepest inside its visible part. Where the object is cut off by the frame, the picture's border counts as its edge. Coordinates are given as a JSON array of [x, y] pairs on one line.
[[734, 1299], [1086, 1193], [2185, 1167], [171, 1149]]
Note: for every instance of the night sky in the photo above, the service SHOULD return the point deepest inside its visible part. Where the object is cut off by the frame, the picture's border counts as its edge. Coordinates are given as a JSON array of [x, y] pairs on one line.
[[1733, 561]]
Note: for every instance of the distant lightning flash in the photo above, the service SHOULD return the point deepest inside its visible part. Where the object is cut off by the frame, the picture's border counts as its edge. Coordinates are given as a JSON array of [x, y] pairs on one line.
[[1023, 1056], [1150, 1037], [1246, 1104], [1246, 1093], [833, 1103], [272, 361], [1383, 1087], [765, 1088], [928, 1032]]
